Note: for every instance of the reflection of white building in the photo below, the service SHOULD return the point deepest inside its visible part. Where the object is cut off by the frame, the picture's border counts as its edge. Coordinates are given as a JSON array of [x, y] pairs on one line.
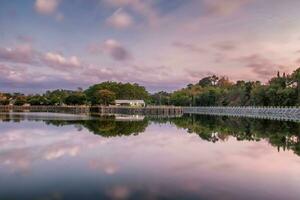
[[134, 103], [129, 117]]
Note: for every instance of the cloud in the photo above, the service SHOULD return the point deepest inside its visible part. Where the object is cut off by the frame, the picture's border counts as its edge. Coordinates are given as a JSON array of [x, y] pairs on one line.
[[188, 47], [223, 8], [116, 50], [120, 20], [142, 7], [119, 192], [46, 7], [225, 46], [25, 54], [95, 48], [10, 74], [111, 47], [19, 54], [59, 17], [22, 148], [58, 61], [261, 66], [107, 167], [17, 76], [25, 39]]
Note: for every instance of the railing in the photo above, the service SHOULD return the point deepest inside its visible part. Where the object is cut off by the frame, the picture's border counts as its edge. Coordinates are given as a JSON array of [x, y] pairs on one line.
[[282, 113]]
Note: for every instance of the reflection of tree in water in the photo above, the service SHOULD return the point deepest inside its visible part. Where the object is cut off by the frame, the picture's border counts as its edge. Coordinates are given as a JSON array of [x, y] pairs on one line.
[[4, 117], [107, 126], [283, 135]]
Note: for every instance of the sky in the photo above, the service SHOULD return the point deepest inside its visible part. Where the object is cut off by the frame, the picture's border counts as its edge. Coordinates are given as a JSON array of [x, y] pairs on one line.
[[160, 44]]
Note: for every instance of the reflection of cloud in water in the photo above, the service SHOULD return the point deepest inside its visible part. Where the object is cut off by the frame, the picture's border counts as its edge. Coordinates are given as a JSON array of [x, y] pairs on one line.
[[119, 192], [59, 152], [163, 160], [107, 167], [21, 148]]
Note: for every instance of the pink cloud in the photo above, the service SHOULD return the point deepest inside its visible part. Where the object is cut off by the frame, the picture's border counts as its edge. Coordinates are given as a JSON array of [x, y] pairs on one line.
[[119, 192], [188, 47], [261, 66], [225, 45], [46, 7], [12, 74], [120, 20], [59, 17], [111, 47], [58, 61], [142, 7], [19, 54], [25, 39], [224, 8], [116, 50]]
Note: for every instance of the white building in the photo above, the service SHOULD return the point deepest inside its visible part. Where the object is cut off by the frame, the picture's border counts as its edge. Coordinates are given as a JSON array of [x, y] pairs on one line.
[[134, 103]]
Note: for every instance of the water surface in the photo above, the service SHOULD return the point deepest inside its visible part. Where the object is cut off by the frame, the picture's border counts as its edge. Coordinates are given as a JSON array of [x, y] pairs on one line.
[[192, 157]]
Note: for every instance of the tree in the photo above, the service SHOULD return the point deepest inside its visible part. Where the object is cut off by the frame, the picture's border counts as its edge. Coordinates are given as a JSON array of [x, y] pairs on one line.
[[205, 82], [20, 101], [295, 78], [77, 98], [160, 98], [56, 97], [105, 97], [3, 99], [121, 91], [224, 82], [180, 98], [210, 97], [259, 96], [36, 100]]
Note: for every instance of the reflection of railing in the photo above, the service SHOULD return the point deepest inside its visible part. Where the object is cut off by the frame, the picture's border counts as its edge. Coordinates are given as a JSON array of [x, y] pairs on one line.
[[37, 116], [278, 113], [55, 109], [149, 110], [119, 117]]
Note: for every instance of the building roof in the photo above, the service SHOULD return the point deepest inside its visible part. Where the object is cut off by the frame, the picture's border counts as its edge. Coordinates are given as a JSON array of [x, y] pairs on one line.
[[129, 101]]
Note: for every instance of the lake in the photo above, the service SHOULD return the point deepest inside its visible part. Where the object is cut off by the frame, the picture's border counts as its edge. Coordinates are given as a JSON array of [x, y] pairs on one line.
[[61, 156]]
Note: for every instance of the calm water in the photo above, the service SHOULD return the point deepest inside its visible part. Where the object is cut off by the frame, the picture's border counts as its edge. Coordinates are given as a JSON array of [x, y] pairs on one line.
[[52, 156]]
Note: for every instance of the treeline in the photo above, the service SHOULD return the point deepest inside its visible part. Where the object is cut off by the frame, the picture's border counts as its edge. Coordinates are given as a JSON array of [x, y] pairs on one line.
[[100, 94], [281, 90]]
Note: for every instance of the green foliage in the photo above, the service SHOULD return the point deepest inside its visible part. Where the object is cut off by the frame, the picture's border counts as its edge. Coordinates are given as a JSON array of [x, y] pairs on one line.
[[121, 91], [37, 100], [210, 97], [77, 98], [104, 97], [282, 90], [20, 101], [180, 98], [160, 98], [56, 97], [4, 99]]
